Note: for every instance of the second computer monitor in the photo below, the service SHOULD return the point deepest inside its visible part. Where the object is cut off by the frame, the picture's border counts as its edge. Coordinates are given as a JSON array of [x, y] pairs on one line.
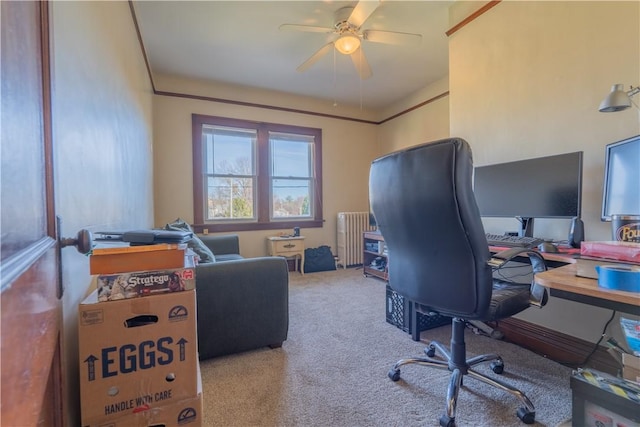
[[621, 194], [543, 187]]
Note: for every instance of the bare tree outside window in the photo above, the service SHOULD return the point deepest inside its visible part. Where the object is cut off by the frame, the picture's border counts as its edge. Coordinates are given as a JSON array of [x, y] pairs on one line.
[[229, 155]]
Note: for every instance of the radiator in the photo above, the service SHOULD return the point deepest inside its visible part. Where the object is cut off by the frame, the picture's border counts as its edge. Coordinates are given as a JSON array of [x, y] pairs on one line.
[[351, 226]]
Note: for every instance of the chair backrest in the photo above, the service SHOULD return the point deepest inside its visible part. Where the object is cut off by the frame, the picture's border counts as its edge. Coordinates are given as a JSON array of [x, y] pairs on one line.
[[423, 202]]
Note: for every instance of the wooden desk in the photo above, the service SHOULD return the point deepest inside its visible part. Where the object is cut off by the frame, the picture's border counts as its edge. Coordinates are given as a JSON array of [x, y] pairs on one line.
[[562, 282], [552, 259]]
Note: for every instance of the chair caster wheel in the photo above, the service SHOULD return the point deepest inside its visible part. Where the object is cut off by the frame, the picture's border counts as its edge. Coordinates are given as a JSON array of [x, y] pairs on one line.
[[445, 421], [430, 351], [526, 416], [497, 367], [394, 374]]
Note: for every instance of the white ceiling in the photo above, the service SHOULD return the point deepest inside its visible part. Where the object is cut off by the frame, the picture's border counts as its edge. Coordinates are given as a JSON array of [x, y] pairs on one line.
[[239, 42]]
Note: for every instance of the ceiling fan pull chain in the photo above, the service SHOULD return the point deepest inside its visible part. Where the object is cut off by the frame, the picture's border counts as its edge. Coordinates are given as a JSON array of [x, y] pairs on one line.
[[335, 81], [360, 81]]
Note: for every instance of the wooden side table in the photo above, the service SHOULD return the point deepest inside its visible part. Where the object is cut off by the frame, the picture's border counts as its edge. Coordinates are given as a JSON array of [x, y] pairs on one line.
[[288, 247]]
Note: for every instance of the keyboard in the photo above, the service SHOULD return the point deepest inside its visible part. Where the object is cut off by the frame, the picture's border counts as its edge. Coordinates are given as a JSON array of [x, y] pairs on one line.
[[502, 240]]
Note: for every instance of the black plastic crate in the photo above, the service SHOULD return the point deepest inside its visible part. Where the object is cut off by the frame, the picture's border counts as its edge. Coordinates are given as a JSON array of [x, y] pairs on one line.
[[399, 311], [432, 321]]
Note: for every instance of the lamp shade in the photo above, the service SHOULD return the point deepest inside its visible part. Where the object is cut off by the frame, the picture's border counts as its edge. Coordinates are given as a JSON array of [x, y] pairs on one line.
[[617, 100], [347, 44]]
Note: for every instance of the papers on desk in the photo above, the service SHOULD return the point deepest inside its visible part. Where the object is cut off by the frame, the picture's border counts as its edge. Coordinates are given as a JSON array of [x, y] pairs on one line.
[[618, 386], [619, 263], [586, 266]]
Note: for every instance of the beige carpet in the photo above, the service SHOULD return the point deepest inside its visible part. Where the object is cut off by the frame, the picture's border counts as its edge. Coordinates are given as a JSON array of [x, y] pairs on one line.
[[332, 370]]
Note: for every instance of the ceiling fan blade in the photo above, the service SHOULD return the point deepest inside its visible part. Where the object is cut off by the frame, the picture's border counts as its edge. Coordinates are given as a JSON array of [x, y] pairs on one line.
[[315, 57], [306, 28], [362, 11], [392, 37], [360, 61]]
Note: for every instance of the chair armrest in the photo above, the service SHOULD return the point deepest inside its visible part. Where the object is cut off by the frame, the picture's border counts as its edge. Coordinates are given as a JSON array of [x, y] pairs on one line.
[[233, 274], [242, 304], [221, 244], [501, 258], [539, 294]]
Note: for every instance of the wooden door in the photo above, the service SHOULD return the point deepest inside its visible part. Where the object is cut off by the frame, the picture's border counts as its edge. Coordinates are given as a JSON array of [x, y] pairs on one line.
[[29, 271]]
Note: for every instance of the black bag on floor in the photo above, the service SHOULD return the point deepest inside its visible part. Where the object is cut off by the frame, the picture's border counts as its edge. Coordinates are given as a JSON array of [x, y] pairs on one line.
[[318, 259]]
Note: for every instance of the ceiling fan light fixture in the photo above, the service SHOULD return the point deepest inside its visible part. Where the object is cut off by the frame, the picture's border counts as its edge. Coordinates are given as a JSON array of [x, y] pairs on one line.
[[347, 44]]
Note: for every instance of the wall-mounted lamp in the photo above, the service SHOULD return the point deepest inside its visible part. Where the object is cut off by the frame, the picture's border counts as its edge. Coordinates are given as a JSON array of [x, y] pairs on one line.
[[618, 99], [347, 44]]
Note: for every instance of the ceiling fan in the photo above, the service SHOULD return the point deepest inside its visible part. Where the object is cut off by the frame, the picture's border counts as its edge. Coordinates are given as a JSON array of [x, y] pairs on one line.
[[348, 29]]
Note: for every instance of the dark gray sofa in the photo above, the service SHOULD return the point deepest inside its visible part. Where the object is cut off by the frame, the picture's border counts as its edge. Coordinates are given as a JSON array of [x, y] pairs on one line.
[[243, 303]]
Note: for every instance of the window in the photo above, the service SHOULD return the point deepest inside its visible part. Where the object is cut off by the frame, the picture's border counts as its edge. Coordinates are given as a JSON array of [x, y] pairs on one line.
[[230, 177], [254, 176], [291, 158]]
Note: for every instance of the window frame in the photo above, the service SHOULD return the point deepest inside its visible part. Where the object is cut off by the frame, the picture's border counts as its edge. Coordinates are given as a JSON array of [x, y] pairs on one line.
[[309, 180], [207, 175], [263, 190]]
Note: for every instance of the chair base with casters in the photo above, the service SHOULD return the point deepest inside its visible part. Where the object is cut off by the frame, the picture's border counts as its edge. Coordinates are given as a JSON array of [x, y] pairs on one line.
[[475, 324], [491, 332], [456, 361]]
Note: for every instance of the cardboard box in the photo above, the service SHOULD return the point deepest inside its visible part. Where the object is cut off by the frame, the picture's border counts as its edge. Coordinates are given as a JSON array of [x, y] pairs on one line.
[[113, 287], [599, 400], [187, 412], [141, 260], [597, 416], [631, 367], [136, 353]]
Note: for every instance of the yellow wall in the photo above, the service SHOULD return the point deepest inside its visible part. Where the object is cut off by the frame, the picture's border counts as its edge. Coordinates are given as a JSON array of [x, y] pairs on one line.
[[348, 148], [429, 122], [526, 79], [102, 138]]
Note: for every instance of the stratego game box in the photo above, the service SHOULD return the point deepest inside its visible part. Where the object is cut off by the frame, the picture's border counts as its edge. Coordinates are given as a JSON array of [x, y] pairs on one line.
[[136, 284]]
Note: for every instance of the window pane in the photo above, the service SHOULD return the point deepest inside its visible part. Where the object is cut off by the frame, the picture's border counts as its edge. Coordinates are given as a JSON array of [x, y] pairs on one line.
[[229, 151], [230, 198], [290, 158], [291, 198]]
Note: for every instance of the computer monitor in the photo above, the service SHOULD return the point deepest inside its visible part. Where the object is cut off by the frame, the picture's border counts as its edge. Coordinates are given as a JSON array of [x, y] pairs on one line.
[[621, 192], [543, 187]]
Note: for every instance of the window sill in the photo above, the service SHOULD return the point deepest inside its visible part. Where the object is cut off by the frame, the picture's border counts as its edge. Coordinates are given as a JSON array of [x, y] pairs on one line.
[[254, 226]]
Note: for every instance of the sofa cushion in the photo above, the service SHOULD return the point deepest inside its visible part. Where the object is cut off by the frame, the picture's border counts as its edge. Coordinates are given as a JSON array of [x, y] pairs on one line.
[[203, 252], [228, 257]]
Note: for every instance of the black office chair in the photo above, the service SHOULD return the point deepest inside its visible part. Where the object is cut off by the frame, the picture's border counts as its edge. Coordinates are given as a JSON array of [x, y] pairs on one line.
[[423, 202]]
